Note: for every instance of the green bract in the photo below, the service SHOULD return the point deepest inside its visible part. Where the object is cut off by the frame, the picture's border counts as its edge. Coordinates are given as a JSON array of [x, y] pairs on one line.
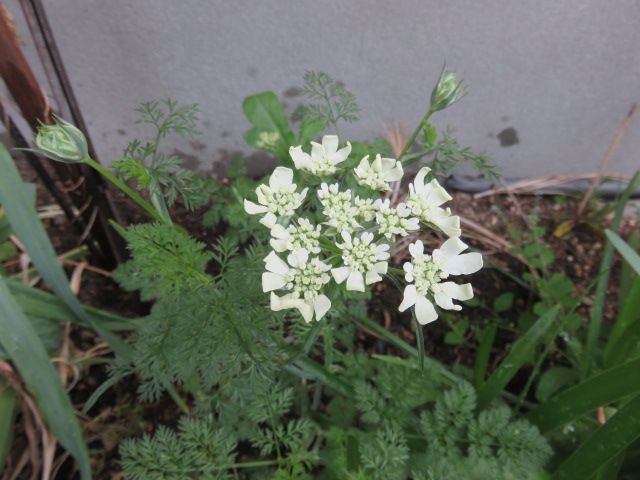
[[62, 142], [447, 91]]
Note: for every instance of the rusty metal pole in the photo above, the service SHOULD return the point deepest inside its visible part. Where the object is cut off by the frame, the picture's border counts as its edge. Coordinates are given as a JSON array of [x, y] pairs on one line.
[[82, 185]]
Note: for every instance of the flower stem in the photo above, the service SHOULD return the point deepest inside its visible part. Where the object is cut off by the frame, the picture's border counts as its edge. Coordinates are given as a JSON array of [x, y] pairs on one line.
[[125, 188], [415, 133]]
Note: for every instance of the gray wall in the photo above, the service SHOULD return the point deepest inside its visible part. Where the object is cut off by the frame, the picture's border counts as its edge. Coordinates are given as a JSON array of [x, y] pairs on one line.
[[561, 74]]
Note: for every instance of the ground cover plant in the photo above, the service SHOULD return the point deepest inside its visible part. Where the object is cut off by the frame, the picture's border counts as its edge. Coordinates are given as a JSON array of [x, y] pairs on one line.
[[332, 323]]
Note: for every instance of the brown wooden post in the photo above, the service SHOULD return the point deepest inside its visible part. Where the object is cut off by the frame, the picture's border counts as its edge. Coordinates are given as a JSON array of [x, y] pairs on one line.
[[83, 186]]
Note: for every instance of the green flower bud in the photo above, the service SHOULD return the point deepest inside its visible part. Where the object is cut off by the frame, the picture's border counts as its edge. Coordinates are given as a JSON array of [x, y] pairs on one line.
[[447, 92], [62, 142]]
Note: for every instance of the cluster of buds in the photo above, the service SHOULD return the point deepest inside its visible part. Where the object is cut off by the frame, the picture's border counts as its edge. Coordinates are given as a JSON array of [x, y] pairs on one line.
[[346, 236]]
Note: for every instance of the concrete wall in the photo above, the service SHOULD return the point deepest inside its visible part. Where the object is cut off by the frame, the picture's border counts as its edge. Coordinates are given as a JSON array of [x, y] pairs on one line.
[[549, 82]]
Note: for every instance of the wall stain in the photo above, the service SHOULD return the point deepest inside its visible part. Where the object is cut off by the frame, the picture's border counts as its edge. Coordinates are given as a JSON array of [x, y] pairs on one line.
[[197, 145], [508, 137], [292, 92]]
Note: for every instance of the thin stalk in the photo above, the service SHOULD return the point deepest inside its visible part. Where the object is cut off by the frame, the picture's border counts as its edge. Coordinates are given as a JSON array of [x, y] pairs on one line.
[[125, 188], [415, 133]]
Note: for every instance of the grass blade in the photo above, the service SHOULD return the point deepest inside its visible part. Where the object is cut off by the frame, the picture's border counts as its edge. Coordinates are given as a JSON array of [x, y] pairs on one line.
[[20, 340], [25, 222], [7, 418], [608, 441], [624, 249], [603, 282], [600, 390], [36, 302], [400, 344], [625, 335], [521, 352], [482, 356]]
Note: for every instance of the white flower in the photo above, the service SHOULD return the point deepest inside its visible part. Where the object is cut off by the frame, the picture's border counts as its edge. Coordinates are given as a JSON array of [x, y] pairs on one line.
[[425, 200], [395, 221], [277, 199], [303, 277], [324, 157], [378, 173], [427, 272], [366, 208], [364, 261], [304, 235], [340, 212]]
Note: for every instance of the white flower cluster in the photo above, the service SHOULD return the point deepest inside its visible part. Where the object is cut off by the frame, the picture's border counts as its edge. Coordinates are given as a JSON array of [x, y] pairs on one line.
[[351, 241]]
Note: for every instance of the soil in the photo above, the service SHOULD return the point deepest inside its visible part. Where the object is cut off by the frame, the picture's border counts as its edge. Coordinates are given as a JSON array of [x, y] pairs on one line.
[[119, 414]]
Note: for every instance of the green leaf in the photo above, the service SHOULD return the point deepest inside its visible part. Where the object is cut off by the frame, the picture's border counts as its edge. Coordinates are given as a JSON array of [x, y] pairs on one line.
[[623, 248], [521, 353], [19, 338], [265, 111], [503, 302], [486, 338], [553, 380], [309, 129], [8, 410], [28, 227], [48, 332], [603, 445], [625, 336], [597, 391]]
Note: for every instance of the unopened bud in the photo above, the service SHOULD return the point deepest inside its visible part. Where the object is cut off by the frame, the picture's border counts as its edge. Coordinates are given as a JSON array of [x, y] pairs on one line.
[[62, 142], [447, 92]]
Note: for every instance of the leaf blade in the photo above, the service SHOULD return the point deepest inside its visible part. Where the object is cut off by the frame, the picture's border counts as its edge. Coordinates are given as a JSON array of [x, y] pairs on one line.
[[20, 340], [519, 354]]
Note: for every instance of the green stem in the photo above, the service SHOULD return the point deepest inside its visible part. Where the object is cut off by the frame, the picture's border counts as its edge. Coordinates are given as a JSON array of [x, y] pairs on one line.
[[182, 405], [125, 188], [415, 133]]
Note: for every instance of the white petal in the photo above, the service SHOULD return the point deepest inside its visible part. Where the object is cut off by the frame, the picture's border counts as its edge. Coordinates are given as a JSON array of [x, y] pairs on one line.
[[409, 299], [395, 173], [269, 220], [418, 182], [301, 159], [317, 151], [281, 177], [381, 267], [306, 310], [437, 194], [298, 257], [450, 225], [448, 291], [274, 264], [253, 208], [342, 154], [340, 274], [372, 277], [330, 143], [321, 306], [425, 311], [363, 166], [278, 245], [464, 264], [355, 282], [279, 232], [452, 247], [416, 249], [272, 281]]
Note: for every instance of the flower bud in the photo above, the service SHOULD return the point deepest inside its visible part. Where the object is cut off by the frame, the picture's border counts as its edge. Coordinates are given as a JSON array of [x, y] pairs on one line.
[[62, 142], [448, 91]]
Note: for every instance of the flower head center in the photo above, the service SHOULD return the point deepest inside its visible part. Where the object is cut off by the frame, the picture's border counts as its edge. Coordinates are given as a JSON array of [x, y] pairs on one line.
[[359, 256], [426, 274], [307, 280]]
